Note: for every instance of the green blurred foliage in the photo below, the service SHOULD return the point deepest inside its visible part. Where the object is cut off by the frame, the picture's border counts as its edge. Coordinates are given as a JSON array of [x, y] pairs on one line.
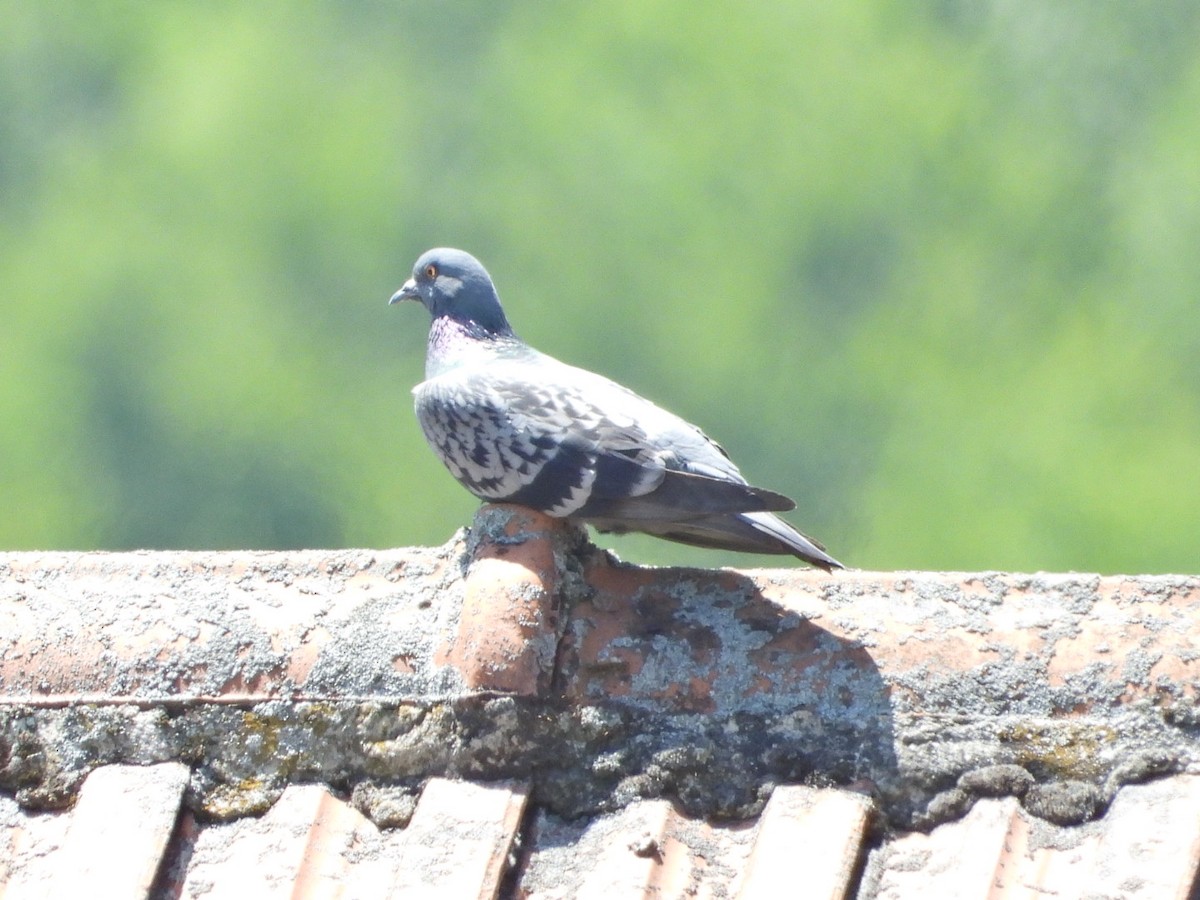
[[929, 267]]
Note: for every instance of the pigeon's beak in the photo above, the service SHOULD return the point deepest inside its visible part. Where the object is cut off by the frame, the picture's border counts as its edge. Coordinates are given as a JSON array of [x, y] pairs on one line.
[[407, 292]]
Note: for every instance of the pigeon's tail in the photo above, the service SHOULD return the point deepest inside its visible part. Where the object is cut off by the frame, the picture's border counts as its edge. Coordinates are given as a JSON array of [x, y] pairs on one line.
[[792, 541], [754, 532]]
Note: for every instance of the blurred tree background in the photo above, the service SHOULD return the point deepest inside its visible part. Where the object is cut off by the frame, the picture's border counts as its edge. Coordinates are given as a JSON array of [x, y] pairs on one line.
[[930, 267]]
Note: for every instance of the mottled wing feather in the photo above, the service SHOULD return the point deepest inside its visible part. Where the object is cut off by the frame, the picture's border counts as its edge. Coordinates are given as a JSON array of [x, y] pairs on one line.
[[548, 445], [520, 442]]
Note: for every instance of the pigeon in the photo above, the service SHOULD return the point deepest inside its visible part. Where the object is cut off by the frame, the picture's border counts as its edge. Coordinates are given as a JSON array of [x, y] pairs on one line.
[[514, 425]]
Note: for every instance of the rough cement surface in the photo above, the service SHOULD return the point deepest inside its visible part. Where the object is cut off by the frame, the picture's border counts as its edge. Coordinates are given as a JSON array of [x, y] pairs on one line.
[[925, 690]]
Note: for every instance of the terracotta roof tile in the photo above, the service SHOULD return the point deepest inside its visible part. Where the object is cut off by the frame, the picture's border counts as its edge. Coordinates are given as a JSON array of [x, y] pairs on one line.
[[29, 846], [507, 631], [309, 844], [458, 842], [312, 844], [1149, 842], [645, 850], [1146, 846], [805, 839], [409, 722], [115, 836], [819, 833], [119, 829]]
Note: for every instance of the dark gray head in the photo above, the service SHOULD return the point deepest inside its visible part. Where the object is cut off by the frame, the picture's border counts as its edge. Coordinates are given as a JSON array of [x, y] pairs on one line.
[[455, 284]]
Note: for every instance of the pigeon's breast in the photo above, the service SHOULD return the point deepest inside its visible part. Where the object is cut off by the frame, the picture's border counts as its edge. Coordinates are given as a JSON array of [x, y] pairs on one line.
[[474, 435]]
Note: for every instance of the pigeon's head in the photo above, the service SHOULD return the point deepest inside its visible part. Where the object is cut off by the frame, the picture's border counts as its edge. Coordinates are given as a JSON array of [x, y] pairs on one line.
[[454, 284]]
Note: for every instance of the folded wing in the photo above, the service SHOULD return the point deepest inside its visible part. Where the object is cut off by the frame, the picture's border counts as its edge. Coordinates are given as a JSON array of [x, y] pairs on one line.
[[578, 448]]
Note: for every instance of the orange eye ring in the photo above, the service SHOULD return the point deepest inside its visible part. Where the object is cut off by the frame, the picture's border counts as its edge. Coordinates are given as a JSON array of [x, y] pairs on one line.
[[431, 271]]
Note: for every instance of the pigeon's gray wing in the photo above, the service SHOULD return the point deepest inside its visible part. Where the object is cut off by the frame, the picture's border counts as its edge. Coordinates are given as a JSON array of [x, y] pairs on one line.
[[573, 444]]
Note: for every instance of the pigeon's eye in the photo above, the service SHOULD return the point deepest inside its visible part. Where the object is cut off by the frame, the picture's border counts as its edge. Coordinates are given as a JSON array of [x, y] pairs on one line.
[[431, 271]]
